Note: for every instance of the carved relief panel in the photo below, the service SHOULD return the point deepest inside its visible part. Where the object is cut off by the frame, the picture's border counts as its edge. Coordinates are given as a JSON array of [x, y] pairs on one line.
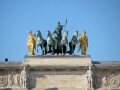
[[57, 79], [9, 79], [107, 80]]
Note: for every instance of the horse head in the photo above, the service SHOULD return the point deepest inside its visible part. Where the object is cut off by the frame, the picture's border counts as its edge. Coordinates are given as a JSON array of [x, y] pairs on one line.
[[65, 34], [49, 34], [76, 33], [39, 34]]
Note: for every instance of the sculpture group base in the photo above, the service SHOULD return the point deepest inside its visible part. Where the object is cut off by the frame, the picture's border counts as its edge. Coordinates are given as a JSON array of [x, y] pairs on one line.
[[62, 61], [58, 72]]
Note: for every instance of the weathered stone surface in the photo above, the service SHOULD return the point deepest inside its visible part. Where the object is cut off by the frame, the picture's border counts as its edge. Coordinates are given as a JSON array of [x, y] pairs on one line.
[[60, 73], [11, 65], [58, 61]]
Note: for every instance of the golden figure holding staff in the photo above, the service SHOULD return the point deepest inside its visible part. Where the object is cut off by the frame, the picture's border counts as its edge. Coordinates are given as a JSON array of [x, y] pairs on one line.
[[83, 43], [31, 43]]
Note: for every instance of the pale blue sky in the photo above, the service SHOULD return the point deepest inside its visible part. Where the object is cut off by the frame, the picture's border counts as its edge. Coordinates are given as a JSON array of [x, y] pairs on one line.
[[100, 18]]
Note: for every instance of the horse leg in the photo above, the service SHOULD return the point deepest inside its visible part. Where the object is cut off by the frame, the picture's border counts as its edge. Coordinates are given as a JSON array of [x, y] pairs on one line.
[[64, 49], [45, 50], [58, 49], [49, 51], [70, 48], [73, 49], [37, 48], [45, 46], [42, 49], [52, 49], [49, 47]]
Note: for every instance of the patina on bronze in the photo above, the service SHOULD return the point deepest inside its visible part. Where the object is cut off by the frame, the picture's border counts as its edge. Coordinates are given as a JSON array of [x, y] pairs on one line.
[[57, 44]]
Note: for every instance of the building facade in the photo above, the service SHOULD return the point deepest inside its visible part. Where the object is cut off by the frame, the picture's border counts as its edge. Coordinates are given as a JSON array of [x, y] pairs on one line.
[[59, 73]]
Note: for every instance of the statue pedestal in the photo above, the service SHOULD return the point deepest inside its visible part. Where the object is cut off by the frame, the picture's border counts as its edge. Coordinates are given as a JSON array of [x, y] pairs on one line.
[[58, 60], [58, 72]]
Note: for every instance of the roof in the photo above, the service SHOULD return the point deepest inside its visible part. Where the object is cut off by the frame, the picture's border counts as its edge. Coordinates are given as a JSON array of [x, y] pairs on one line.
[[106, 64], [11, 64]]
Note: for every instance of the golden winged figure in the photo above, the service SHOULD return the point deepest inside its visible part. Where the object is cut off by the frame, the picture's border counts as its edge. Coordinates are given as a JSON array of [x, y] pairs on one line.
[[31, 43], [83, 43]]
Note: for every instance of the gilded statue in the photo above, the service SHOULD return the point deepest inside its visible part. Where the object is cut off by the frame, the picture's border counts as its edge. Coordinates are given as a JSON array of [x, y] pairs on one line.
[[31, 43], [83, 43]]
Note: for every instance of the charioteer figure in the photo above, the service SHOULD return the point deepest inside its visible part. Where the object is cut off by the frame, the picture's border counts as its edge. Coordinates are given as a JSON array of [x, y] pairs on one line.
[[58, 33]]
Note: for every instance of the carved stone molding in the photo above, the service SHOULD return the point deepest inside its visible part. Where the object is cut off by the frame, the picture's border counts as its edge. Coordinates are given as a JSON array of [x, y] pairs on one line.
[[3, 81]]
